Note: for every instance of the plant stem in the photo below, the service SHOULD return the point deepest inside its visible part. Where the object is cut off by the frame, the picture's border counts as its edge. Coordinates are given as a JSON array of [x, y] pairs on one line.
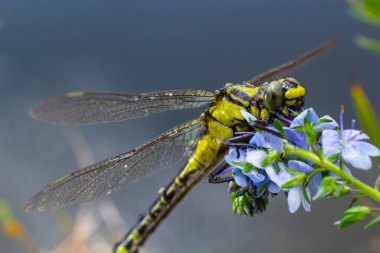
[[364, 188]]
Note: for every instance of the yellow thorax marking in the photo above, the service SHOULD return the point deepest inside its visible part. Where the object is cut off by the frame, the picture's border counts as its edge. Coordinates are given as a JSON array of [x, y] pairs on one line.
[[255, 111], [264, 113], [226, 112], [249, 91]]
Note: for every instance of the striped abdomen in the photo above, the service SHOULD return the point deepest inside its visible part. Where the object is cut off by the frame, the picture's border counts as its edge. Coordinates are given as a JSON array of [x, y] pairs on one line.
[[208, 153]]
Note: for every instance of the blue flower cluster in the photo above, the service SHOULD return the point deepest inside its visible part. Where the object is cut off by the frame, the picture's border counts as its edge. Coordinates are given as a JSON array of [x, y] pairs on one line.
[[264, 170]]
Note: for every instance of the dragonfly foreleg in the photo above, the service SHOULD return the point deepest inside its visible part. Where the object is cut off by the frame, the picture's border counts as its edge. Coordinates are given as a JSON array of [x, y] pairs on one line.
[[215, 176], [263, 126], [240, 138]]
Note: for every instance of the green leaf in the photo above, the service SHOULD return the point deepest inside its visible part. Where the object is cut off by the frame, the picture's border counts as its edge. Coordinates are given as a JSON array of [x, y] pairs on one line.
[[299, 128], [320, 121], [269, 159], [353, 215], [293, 171], [248, 168], [341, 190], [372, 222], [294, 181], [245, 166], [278, 126], [365, 11], [324, 121], [373, 7], [358, 210], [235, 202], [368, 43], [326, 188], [319, 153], [240, 207], [356, 198], [312, 174], [304, 192], [329, 187], [334, 158], [366, 114], [309, 131], [260, 190]]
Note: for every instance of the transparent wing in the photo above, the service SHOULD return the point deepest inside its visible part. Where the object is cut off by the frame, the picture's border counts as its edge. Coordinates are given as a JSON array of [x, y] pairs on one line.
[[78, 108], [283, 69], [109, 175]]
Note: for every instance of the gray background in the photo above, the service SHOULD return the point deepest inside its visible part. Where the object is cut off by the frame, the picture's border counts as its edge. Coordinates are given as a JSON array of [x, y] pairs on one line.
[[50, 47]]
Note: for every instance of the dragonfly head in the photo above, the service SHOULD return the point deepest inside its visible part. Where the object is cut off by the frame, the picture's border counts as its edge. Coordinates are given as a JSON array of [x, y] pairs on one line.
[[284, 96]]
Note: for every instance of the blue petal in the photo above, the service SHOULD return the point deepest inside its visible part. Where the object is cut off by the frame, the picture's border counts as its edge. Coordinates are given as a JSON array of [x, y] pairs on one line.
[[360, 137], [294, 199], [365, 148], [300, 166], [279, 178], [232, 156], [258, 140], [239, 177], [330, 142], [347, 170], [248, 117], [256, 157], [262, 182], [255, 176], [356, 158], [273, 142], [273, 188], [309, 114], [327, 125], [315, 182], [228, 158], [296, 137], [353, 135]]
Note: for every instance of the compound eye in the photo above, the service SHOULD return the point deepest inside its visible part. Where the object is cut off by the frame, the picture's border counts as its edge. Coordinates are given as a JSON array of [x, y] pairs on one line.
[[273, 96]]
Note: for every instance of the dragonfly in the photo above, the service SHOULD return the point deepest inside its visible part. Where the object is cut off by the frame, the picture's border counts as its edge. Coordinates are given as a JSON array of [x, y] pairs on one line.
[[198, 145]]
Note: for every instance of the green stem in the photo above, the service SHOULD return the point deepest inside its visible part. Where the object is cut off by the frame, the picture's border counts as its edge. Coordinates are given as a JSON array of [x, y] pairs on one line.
[[364, 188]]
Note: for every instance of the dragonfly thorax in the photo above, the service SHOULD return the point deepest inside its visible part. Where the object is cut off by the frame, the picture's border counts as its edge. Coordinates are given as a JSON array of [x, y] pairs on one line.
[[284, 97]]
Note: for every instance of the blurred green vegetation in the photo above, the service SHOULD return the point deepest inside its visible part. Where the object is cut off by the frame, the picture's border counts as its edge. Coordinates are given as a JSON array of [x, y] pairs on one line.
[[367, 11], [366, 114]]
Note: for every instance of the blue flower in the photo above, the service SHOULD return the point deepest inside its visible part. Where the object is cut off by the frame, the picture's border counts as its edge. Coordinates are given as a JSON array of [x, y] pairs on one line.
[[351, 145], [296, 195], [243, 172], [277, 175], [276, 171], [320, 124], [256, 157], [325, 122]]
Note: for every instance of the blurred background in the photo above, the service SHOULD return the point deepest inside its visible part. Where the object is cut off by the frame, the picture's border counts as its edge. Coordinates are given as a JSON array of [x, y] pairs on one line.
[[51, 47]]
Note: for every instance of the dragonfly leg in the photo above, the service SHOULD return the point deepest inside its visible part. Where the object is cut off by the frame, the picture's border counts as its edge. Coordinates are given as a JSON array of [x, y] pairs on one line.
[[239, 138], [215, 175], [263, 125]]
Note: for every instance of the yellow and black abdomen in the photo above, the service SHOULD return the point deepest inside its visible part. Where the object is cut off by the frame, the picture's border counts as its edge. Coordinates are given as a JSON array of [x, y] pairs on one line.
[[221, 120]]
